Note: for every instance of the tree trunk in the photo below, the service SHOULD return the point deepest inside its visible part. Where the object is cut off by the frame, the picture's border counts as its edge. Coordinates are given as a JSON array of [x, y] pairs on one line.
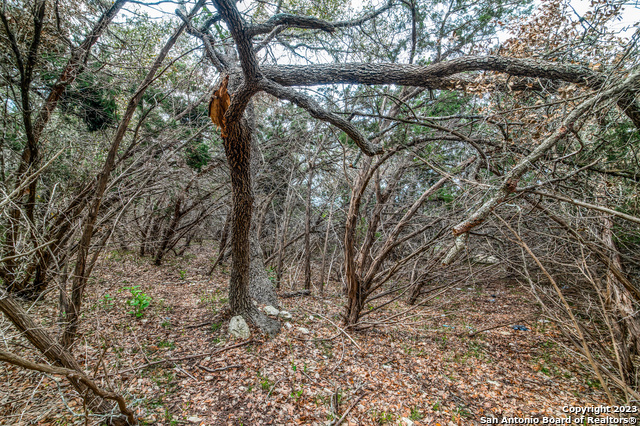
[[237, 146], [307, 230], [625, 322]]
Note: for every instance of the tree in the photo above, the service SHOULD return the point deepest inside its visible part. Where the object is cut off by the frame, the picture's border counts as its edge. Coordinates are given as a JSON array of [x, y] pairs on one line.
[[248, 77]]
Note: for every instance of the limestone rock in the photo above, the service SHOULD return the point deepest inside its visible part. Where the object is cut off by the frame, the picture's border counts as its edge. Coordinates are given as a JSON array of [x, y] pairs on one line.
[[238, 328], [285, 315], [303, 330], [270, 310]]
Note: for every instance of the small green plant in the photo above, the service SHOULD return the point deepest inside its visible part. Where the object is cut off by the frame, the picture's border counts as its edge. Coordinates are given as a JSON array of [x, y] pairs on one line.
[[107, 301], [383, 417], [271, 274], [139, 300], [297, 394], [415, 414], [216, 326], [166, 344], [166, 324], [436, 406], [461, 412], [183, 274], [265, 383]]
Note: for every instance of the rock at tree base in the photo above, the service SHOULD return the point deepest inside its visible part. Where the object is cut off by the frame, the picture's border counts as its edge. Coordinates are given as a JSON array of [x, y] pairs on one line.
[[270, 310], [238, 328], [285, 315]]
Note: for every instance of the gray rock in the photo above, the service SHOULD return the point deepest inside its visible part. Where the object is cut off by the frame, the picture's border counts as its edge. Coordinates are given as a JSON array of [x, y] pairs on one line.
[[194, 419], [270, 310], [285, 315], [303, 330], [238, 328]]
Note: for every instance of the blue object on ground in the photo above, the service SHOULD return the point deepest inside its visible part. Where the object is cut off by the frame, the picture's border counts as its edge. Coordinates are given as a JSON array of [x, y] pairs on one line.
[[520, 327]]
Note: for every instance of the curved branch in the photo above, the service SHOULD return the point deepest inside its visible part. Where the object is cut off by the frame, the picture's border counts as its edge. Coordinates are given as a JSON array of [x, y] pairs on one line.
[[288, 20], [71, 374], [320, 113], [240, 32]]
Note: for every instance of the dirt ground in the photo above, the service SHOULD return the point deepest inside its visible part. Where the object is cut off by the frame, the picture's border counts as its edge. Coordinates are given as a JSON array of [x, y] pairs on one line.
[[176, 366]]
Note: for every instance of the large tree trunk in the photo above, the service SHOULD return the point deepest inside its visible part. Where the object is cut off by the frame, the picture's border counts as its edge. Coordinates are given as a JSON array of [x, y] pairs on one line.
[[237, 146]]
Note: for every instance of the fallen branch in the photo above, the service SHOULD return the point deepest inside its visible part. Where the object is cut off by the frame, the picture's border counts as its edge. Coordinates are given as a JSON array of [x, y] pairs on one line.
[[296, 293], [213, 370], [71, 375], [493, 328], [151, 364]]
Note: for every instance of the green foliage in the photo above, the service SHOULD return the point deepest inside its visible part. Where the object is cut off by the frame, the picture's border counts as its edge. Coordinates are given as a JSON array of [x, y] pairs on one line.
[[107, 301], [197, 155], [265, 383], [93, 101], [139, 300], [166, 344], [415, 414], [382, 417]]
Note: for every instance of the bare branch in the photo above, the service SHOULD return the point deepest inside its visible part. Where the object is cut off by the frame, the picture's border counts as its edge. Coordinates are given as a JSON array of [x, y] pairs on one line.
[[320, 113]]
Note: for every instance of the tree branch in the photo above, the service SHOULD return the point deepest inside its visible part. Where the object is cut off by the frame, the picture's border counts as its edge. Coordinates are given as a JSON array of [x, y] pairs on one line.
[[71, 374], [287, 20], [320, 113]]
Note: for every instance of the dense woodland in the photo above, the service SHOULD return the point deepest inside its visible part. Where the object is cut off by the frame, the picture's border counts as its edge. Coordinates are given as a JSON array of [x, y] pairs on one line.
[[426, 211]]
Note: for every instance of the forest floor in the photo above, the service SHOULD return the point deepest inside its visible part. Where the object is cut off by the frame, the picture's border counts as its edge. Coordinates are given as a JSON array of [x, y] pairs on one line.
[[424, 370]]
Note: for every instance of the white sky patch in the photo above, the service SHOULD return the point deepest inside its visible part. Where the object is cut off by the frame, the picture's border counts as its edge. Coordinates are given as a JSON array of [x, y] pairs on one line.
[[627, 23]]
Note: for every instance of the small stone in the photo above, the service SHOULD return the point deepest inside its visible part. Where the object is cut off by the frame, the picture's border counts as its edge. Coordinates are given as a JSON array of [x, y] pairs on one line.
[[288, 325], [208, 377], [285, 315], [303, 330], [406, 421], [194, 419], [238, 328], [270, 310]]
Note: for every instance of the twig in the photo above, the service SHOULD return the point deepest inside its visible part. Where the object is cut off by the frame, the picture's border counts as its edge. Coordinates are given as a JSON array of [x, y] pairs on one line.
[[202, 324], [341, 419], [150, 364], [213, 370], [296, 293], [493, 328], [339, 328]]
